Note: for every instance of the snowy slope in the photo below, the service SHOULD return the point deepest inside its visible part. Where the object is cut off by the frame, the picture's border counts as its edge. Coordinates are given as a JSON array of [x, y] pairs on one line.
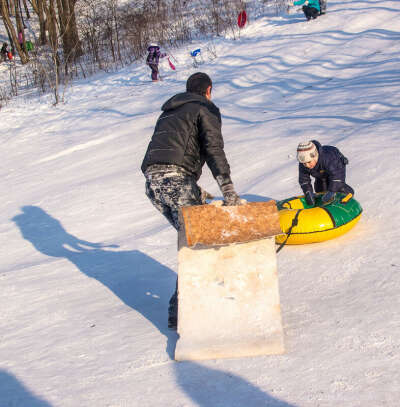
[[88, 265]]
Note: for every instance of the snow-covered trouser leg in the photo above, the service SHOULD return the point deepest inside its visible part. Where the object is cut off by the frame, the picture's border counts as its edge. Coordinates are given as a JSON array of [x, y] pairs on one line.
[[169, 190]]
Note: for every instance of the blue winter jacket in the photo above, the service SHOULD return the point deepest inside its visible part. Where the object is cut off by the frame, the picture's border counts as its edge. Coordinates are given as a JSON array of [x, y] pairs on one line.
[[331, 165], [310, 3]]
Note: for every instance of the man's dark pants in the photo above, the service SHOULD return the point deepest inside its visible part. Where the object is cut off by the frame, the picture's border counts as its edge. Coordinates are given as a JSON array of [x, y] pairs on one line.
[[169, 188], [321, 185]]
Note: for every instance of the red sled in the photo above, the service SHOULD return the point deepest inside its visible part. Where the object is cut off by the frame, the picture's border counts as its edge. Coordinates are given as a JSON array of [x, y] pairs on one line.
[[10, 56], [172, 66], [242, 19]]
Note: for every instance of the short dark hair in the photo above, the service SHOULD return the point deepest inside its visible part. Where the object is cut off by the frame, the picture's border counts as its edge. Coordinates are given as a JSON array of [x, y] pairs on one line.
[[198, 83]]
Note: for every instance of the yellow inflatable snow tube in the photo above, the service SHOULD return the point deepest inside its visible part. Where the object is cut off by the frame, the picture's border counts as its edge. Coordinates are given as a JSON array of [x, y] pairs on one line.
[[304, 224]]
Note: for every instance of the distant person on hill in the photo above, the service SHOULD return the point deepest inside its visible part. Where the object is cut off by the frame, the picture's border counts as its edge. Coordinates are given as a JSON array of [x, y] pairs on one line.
[[186, 136], [322, 5], [21, 40], [327, 165], [153, 59], [311, 8], [4, 51]]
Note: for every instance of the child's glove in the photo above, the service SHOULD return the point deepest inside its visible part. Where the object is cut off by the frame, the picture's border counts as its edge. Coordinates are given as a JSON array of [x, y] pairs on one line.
[[328, 198], [310, 198]]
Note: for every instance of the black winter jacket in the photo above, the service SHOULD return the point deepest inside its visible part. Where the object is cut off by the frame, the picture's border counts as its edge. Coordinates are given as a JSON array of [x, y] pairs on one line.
[[331, 166], [188, 134]]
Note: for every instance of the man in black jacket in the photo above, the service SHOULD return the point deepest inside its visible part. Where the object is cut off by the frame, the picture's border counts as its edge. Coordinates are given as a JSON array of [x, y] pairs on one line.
[[186, 136], [327, 165]]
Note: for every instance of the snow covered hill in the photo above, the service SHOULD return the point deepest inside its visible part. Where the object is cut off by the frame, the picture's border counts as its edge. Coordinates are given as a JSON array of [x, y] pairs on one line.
[[88, 265]]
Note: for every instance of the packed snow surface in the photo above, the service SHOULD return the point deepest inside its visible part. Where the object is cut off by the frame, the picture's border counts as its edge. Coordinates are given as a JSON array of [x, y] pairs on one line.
[[88, 264]]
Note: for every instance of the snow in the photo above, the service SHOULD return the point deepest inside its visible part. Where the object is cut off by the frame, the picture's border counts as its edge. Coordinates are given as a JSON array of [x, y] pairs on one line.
[[88, 265]]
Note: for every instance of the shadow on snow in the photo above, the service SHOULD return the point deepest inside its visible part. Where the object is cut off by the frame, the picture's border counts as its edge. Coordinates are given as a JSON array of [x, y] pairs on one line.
[[139, 281], [14, 393], [131, 275], [209, 387]]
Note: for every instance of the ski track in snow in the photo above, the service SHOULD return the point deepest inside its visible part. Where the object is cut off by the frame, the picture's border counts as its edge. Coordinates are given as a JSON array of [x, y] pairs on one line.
[[78, 147]]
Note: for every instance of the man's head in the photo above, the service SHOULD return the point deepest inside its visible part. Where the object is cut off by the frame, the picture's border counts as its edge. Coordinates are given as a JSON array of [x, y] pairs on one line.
[[199, 83], [307, 154]]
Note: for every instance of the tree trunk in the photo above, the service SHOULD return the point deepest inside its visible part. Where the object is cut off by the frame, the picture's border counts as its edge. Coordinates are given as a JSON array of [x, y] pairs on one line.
[[20, 29], [39, 9], [28, 15], [115, 19], [52, 25], [11, 7], [68, 30]]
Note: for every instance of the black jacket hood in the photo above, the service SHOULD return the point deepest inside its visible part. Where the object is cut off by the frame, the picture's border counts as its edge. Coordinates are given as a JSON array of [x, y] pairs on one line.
[[183, 98], [318, 145]]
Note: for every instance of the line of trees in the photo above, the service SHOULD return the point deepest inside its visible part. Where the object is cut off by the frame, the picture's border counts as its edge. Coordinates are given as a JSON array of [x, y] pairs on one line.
[[57, 21], [78, 37]]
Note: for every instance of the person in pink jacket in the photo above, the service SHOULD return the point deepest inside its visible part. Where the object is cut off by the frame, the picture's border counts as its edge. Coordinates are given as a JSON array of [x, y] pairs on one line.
[[21, 40], [152, 60]]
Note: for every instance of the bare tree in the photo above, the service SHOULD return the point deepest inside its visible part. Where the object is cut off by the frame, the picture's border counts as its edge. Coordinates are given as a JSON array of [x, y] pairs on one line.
[[79, 37], [68, 30], [39, 9]]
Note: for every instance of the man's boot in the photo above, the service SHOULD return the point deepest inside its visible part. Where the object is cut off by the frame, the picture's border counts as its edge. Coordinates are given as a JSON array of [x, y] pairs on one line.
[[173, 312]]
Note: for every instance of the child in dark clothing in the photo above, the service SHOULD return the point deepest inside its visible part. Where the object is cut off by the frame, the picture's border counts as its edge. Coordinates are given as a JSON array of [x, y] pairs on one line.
[[153, 59], [327, 165], [4, 51], [311, 8]]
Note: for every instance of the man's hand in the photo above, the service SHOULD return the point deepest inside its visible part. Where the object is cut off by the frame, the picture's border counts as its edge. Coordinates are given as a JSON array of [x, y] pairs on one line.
[[328, 198], [231, 198]]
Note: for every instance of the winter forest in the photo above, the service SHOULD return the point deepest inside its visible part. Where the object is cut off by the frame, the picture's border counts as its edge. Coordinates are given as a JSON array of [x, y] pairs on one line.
[[74, 39]]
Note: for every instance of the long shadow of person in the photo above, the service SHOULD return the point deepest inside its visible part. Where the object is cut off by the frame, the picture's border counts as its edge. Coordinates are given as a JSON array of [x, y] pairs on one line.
[[209, 387], [130, 275], [14, 393]]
